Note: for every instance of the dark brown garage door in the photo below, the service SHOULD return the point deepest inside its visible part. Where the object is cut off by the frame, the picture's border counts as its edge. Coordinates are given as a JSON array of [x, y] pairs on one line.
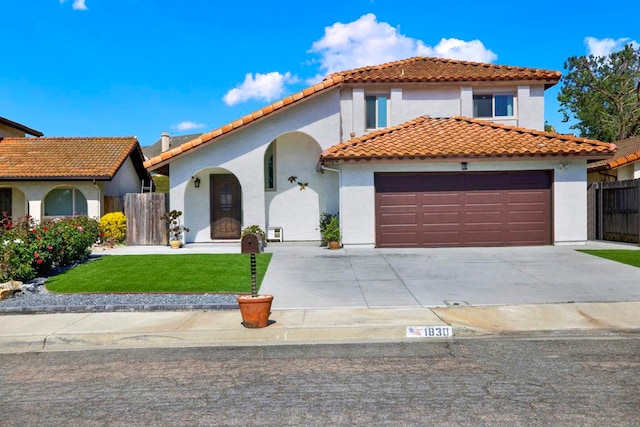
[[463, 209]]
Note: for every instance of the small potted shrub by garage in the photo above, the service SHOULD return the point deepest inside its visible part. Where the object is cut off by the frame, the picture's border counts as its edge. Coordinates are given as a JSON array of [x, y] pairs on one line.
[[332, 233], [175, 228]]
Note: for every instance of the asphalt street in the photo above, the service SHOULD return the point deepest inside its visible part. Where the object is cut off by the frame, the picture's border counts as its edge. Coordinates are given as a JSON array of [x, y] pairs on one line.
[[567, 382]]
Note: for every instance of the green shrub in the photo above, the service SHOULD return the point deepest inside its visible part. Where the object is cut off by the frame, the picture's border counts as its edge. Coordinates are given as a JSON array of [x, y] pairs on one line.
[[113, 227], [257, 230], [332, 230]]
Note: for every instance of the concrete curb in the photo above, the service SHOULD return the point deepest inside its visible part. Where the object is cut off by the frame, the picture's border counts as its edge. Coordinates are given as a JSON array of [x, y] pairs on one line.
[[90, 331]]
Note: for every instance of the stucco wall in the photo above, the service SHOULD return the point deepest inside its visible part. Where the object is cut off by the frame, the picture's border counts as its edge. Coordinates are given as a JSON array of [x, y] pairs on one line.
[[125, 181], [9, 131], [407, 103], [34, 193], [242, 154], [569, 195]]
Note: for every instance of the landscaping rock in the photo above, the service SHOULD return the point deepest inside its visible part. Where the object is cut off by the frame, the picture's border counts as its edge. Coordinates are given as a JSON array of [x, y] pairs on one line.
[[7, 289]]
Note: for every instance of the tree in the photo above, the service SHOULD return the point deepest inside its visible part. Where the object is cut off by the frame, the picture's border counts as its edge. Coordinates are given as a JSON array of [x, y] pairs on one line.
[[603, 94]]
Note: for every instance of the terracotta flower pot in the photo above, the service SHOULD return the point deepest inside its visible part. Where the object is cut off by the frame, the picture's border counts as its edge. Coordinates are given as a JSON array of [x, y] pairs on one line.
[[255, 310], [334, 245]]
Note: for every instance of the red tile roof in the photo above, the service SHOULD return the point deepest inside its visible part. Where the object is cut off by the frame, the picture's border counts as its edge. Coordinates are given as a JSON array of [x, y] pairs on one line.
[[65, 158], [417, 69], [461, 137], [158, 161], [425, 69], [628, 152]]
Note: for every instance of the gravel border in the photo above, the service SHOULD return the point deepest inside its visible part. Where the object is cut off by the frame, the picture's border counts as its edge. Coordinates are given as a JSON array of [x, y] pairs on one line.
[[39, 300]]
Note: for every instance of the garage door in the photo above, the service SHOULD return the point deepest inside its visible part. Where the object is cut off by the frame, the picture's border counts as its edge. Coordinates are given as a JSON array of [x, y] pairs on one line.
[[463, 209]]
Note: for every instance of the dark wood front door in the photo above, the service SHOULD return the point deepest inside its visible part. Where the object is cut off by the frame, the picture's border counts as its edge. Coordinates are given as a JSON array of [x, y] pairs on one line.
[[225, 207]]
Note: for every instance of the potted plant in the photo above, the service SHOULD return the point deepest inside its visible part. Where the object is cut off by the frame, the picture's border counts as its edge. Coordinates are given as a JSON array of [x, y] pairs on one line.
[[325, 218], [332, 233], [175, 228]]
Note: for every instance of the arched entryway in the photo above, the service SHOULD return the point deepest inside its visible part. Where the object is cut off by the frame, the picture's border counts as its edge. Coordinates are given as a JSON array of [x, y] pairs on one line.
[[225, 206]]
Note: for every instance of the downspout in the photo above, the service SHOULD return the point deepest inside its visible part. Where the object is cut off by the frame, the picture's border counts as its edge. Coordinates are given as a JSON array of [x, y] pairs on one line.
[[99, 199]]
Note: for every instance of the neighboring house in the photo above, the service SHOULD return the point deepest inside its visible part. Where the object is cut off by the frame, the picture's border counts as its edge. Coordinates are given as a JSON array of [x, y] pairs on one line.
[[52, 177], [479, 171], [624, 165], [10, 128], [166, 142]]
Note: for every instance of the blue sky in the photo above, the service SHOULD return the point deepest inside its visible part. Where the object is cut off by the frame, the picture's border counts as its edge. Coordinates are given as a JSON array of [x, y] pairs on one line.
[[140, 67]]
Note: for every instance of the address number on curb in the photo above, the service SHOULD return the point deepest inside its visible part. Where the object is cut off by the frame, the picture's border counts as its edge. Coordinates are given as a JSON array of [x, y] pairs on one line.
[[429, 332]]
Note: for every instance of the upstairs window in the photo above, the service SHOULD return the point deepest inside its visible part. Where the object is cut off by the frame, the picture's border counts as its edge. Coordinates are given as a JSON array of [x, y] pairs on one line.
[[492, 106], [376, 111]]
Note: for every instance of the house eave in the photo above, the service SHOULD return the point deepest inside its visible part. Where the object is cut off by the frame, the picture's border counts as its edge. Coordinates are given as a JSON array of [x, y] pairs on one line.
[[455, 158]]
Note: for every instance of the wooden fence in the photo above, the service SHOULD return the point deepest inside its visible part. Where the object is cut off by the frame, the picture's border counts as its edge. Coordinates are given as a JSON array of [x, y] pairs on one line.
[[145, 223], [113, 204], [616, 211]]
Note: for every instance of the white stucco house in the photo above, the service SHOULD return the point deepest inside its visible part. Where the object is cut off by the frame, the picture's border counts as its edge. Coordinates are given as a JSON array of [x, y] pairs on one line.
[[53, 177], [420, 152]]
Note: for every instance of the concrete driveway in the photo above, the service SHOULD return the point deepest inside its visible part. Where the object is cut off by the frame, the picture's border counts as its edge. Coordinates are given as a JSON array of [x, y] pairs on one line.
[[305, 276]]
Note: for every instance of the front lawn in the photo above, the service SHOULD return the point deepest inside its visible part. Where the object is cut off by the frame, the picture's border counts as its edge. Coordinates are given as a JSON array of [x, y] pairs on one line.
[[193, 273], [625, 256]]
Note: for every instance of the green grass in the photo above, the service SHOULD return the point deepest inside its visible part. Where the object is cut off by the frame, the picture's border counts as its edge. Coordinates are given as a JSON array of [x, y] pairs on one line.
[[625, 256], [193, 273]]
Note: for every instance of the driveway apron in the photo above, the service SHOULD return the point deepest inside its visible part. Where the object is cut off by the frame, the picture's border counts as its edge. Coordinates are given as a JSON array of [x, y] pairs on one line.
[[305, 276]]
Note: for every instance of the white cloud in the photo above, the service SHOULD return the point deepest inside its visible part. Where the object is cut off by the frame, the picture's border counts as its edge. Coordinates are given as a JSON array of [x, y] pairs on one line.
[[366, 41], [266, 87], [605, 47], [77, 4], [184, 126], [362, 42]]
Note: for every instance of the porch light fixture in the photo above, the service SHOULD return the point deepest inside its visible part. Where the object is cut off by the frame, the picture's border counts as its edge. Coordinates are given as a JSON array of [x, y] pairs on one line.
[[196, 182], [464, 166]]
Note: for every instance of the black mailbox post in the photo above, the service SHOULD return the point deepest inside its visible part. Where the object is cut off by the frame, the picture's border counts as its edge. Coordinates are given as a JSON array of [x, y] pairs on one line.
[[252, 244]]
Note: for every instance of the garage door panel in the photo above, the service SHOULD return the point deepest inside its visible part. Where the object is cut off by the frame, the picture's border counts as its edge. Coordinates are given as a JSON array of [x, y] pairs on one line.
[[524, 217], [400, 219], [442, 199], [487, 218], [442, 238], [463, 209], [445, 218], [403, 240], [525, 237], [525, 197], [484, 238]]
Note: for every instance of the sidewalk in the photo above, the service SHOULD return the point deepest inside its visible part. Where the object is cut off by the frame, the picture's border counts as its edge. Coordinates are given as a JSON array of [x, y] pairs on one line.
[[86, 331]]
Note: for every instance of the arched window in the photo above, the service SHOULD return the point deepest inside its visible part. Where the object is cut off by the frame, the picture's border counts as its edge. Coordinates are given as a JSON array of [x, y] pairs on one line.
[[65, 202], [5, 201], [270, 167]]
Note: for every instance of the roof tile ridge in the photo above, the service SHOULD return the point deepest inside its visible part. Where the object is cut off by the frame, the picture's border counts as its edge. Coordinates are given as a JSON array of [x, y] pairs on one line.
[[377, 66]]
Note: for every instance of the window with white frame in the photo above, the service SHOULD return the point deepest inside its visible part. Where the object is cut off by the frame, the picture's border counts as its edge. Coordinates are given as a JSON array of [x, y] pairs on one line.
[[376, 111], [493, 105], [65, 202]]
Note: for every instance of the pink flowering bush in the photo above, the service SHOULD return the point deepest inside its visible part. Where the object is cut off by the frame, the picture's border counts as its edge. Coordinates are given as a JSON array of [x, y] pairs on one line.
[[28, 249]]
